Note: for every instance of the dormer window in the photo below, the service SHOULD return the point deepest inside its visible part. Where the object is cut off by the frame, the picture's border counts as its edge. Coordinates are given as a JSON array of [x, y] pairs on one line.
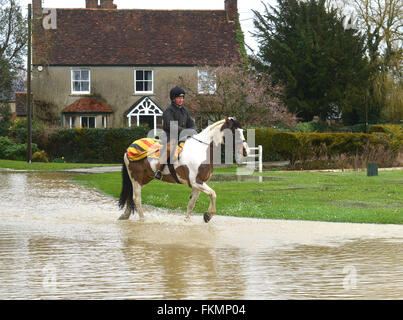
[[80, 81]]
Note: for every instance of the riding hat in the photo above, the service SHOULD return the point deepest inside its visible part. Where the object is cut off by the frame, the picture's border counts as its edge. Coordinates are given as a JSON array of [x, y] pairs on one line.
[[176, 92]]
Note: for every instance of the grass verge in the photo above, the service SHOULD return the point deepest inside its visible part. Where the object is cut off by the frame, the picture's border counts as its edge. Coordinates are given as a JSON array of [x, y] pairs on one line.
[[51, 166], [319, 196]]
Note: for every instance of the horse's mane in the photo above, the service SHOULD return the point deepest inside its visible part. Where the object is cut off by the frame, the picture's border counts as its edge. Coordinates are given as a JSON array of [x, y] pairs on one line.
[[212, 126], [207, 131]]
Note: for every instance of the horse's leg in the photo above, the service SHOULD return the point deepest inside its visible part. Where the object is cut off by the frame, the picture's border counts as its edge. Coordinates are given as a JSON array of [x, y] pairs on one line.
[[137, 198], [126, 195], [193, 197], [128, 211], [211, 193]]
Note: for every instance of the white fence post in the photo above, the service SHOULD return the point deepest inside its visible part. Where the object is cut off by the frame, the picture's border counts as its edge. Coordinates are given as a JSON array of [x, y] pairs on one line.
[[260, 158], [259, 155]]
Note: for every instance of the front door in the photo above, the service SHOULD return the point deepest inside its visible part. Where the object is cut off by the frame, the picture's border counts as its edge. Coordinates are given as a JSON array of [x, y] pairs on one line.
[[149, 120]]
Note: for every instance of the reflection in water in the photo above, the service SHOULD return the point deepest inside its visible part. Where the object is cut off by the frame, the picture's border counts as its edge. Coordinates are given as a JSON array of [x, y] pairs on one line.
[[59, 240]]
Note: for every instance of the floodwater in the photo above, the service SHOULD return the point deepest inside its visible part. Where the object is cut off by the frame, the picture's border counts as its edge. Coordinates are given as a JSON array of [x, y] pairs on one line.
[[59, 240]]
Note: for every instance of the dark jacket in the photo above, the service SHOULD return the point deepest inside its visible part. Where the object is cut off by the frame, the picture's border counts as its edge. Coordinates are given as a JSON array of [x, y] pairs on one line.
[[179, 114]]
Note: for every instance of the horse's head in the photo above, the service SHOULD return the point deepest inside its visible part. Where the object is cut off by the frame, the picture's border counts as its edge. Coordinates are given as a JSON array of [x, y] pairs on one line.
[[242, 148]]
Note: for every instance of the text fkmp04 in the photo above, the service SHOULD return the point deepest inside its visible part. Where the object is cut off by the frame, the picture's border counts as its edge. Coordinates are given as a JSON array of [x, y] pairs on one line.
[[224, 309]]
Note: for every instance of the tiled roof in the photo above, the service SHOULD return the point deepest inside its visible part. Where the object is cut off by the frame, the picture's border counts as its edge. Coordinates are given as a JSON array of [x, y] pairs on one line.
[[137, 37], [87, 105]]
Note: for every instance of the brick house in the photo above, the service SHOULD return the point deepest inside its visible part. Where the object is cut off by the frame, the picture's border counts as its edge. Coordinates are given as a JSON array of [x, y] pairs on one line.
[[105, 67]]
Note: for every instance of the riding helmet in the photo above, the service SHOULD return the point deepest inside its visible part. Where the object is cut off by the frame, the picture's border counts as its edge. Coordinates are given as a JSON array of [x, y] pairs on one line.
[[176, 92]]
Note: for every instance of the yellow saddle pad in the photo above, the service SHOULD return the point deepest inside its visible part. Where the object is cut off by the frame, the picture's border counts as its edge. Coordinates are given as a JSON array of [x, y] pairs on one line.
[[148, 147]]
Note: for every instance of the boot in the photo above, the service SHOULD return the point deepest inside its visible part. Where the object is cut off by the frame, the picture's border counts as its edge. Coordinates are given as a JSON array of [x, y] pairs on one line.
[[158, 172], [160, 166]]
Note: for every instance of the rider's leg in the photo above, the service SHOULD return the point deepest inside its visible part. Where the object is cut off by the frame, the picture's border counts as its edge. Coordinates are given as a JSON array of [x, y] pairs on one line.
[[163, 160]]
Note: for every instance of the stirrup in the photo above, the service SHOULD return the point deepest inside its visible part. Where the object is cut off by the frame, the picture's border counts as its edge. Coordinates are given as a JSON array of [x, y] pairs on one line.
[[158, 175]]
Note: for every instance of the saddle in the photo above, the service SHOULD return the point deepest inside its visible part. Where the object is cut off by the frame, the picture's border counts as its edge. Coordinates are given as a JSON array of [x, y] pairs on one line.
[[148, 147]]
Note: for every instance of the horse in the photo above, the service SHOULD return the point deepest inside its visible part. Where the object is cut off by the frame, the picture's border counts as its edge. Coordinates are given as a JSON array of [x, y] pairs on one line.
[[194, 168]]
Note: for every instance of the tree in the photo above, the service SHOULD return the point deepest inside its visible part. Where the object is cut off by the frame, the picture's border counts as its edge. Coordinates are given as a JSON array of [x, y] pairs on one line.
[[6, 80], [322, 66], [13, 34], [382, 25], [235, 91]]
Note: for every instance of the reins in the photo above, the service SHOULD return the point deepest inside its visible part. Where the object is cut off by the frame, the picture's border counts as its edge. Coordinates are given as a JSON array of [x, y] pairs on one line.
[[200, 141]]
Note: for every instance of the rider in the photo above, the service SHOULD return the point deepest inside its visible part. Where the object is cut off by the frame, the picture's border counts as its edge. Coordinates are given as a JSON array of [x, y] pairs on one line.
[[175, 119]]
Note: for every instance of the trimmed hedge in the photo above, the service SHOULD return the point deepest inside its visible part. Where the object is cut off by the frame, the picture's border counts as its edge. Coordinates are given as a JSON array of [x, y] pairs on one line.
[[92, 145], [305, 146]]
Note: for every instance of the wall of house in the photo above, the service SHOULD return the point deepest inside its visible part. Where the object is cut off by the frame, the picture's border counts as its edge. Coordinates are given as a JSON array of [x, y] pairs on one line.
[[112, 85]]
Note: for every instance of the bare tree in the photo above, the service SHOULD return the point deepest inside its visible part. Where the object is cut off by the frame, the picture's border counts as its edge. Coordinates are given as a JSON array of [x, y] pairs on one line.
[[234, 91], [13, 32], [382, 23]]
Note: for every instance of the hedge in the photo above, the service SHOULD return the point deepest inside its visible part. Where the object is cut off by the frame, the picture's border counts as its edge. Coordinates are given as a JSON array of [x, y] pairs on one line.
[[393, 132], [108, 145], [91, 145], [304, 146]]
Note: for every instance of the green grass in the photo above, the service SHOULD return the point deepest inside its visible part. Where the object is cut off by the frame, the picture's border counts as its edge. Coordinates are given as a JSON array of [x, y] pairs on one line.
[[321, 196], [51, 166]]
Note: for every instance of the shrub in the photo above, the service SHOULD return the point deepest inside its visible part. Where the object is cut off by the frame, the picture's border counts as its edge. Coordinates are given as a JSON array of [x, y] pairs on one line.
[[40, 156], [312, 126], [18, 131], [18, 151], [4, 144], [393, 132], [4, 126]]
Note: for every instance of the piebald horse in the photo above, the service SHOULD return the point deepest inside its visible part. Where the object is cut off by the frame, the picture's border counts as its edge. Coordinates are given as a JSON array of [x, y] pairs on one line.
[[194, 168]]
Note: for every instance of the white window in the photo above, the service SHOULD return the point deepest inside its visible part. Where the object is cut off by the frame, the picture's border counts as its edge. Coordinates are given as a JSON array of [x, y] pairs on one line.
[[88, 122], [206, 83], [104, 121], [80, 81], [143, 81]]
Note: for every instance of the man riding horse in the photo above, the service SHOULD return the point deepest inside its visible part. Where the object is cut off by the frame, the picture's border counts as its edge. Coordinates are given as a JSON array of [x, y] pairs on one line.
[[175, 119]]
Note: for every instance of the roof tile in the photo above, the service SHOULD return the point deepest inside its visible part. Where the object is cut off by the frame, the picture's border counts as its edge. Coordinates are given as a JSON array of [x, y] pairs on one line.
[[137, 37], [87, 105]]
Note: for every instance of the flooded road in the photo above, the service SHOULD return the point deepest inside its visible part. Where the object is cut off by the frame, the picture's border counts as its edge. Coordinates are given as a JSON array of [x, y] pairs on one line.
[[59, 240]]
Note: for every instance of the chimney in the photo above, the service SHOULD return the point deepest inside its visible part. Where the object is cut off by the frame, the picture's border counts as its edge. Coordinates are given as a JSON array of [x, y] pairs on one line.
[[91, 4], [37, 8], [231, 8], [108, 4]]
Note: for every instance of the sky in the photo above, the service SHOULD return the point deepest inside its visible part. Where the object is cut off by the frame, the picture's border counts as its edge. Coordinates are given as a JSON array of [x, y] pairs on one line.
[[245, 8]]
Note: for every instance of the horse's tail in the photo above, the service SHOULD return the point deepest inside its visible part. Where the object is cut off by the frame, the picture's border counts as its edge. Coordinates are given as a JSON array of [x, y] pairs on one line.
[[126, 195]]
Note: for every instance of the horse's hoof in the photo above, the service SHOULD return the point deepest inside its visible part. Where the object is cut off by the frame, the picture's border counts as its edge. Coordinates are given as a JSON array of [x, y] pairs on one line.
[[206, 217], [123, 217]]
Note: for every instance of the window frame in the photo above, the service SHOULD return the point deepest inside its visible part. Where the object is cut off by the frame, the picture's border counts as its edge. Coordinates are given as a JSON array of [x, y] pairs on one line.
[[81, 121], [151, 81], [72, 81]]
